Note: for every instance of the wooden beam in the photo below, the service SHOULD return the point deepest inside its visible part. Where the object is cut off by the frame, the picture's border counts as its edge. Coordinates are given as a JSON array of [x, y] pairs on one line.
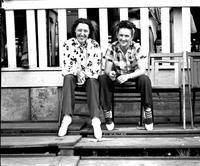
[[50, 4], [32, 78]]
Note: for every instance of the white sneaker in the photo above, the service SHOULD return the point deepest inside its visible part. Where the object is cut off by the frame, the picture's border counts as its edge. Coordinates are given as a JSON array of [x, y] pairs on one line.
[[67, 120], [110, 126], [149, 127], [96, 123]]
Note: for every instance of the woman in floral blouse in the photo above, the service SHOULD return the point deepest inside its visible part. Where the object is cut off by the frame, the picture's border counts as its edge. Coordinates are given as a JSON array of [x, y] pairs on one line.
[[81, 66]]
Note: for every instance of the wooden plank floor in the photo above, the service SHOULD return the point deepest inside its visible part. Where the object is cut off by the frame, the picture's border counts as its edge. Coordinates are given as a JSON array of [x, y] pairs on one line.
[[139, 142], [38, 141], [40, 161], [76, 161], [139, 162]]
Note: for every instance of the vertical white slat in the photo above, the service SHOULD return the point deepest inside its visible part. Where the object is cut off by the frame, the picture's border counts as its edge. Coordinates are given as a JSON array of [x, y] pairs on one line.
[[10, 33], [62, 29], [123, 13], [82, 13], [165, 30], [42, 38], [177, 30], [103, 25], [144, 24], [186, 29], [31, 38], [186, 32]]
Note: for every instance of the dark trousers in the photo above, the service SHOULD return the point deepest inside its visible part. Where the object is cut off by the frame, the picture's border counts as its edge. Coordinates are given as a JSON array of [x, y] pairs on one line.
[[143, 85], [92, 91]]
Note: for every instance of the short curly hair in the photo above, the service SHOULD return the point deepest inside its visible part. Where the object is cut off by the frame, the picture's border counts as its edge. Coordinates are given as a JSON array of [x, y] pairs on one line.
[[83, 21], [125, 24]]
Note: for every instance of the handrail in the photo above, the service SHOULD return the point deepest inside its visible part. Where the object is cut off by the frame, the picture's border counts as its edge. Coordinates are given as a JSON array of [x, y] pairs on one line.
[[60, 4]]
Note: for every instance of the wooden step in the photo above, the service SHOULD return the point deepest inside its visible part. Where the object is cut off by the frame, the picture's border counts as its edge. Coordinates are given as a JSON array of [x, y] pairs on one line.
[[38, 144], [139, 162], [134, 129], [139, 142], [40, 161], [85, 129], [36, 128], [91, 161], [138, 146]]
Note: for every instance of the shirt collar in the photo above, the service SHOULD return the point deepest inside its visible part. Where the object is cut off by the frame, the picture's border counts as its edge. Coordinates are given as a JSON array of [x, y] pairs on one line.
[[81, 45], [118, 49]]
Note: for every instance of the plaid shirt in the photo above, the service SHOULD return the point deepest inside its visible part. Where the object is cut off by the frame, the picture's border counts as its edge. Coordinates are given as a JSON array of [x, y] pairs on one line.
[[77, 57], [125, 63]]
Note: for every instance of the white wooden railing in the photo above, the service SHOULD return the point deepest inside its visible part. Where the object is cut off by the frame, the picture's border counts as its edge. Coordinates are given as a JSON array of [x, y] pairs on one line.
[[42, 75]]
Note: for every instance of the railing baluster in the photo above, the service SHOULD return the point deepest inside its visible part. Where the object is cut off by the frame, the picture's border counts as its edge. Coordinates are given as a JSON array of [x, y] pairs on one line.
[[42, 38], [123, 13], [103, 21], [144, 24], [186, 29], [176, 30], [165, 30], [10, 32], [82, 13], [62, 28], [31, 38]]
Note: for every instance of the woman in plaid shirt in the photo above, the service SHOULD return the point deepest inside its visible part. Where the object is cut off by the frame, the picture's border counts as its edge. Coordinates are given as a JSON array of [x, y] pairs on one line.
[[125, 62]]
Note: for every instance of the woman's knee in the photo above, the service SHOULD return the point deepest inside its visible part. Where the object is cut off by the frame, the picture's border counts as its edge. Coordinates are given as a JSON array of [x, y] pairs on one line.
[[103, 79], [144, 79], [69, 78], [92, 81]]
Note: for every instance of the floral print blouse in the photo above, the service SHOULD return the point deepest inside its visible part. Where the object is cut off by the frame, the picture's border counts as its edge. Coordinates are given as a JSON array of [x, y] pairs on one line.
[[78, 57], [125, 63]]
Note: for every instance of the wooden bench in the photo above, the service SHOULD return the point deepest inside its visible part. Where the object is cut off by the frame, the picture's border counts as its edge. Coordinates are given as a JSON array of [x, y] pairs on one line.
[[121, 94]]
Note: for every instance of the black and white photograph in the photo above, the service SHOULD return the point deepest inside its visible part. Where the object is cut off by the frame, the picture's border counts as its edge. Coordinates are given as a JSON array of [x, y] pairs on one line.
[[100, 83]]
